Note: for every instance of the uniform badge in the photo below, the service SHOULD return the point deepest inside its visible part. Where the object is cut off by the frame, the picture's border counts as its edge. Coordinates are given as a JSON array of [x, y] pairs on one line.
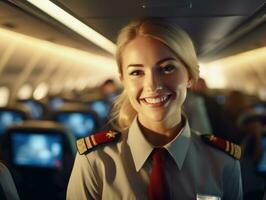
[[230, 148], [89, 142], [207, 197], [110, 134]]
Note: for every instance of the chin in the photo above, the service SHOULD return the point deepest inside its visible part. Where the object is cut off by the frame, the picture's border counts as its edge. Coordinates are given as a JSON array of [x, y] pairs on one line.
[[154, 118]]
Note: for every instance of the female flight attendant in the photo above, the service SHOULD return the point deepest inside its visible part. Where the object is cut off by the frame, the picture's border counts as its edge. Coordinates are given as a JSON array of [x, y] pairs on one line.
[[154, 154]]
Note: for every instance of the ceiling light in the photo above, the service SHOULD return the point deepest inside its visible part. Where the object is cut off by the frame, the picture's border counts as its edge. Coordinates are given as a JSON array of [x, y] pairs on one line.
[[74, 24], [165, 3]]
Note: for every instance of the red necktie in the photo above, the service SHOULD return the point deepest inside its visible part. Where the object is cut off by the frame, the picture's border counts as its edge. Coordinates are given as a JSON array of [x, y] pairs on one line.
[[158, 189]]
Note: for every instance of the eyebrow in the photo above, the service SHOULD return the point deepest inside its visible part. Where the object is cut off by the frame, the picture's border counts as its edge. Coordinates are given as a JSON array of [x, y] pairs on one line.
[[158, 63], [165, 59]]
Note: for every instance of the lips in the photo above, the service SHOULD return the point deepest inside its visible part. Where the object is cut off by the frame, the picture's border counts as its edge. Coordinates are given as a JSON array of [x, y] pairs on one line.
[[156, 101]]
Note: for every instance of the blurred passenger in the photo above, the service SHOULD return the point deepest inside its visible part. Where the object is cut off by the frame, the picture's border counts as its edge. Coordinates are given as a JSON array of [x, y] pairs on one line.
[[201, 87], [110, 89], [195, 109], [109, 86], [220, 124], [236, 104], [253, 161]]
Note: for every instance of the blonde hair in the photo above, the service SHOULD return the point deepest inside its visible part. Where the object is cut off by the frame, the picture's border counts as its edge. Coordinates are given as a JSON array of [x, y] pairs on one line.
[[169, 34]]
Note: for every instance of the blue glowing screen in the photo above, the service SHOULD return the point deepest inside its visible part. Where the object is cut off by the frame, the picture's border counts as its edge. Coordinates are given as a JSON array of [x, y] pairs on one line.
[[81, 124], [36, 110], [8, 118], [261, 167], [55, 103], [102, 108], [37, 150]]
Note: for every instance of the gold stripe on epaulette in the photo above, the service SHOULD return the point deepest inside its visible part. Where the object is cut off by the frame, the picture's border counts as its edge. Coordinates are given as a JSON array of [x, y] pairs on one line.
[[232, 150], [88, 142], [237, 153], [82, 148], [227, 146], [93, 140]]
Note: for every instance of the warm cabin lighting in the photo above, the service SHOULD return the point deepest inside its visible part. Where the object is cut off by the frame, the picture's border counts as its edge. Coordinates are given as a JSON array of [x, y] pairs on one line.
[[244, 72], [4, 96], [41, 91], [90, 64], [213, 74], [25, 92], [81, 84], [74, 24], [262, 93]]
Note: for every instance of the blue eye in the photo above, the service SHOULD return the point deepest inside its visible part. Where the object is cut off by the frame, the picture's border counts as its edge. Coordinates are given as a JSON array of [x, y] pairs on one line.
[[168, 69]]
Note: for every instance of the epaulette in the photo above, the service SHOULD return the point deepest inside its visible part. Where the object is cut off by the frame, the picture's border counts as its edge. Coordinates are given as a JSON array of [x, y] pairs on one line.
[[230, 148], [86, 144]]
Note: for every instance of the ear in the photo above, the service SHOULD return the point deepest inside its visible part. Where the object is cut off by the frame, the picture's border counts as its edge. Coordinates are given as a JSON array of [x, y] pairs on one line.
[[189, 83]]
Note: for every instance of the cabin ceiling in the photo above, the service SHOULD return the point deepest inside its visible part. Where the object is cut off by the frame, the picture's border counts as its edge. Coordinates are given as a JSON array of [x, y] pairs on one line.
[[218, 29], [214, 25], [28, 21]]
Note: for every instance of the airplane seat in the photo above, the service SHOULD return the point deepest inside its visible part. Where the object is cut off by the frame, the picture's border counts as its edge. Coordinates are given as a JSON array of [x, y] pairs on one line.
[[78, 118], [40, 155], [253, 159], [8, 189], [10, 115], [264, 194]]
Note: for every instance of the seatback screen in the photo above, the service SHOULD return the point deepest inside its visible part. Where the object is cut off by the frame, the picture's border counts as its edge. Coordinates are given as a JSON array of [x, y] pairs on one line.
[[37, 150], [55, 103], [81, 124], [102, 108], [261, 166], [8, 118], [35, 108]]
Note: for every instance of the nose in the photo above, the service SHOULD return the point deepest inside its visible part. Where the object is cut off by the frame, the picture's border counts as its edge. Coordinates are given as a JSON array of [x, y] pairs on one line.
[[152, 81]]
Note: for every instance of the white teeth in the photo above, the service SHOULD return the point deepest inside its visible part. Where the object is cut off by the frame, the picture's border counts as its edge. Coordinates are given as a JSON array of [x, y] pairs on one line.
[[156, 100]]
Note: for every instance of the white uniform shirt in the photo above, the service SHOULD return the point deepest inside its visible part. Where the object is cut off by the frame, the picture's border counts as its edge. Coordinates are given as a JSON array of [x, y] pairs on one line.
[[121, 170]]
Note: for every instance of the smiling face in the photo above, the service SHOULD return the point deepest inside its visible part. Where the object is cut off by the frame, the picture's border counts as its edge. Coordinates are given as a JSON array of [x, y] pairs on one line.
[[155, 81]]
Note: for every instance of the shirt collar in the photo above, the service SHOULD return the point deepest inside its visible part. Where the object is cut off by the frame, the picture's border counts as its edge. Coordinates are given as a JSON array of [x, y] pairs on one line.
[[141, 148], [138, 145], [178, 147]]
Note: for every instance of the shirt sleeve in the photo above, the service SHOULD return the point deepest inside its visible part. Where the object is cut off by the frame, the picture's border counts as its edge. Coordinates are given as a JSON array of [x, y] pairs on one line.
[[83, 183], [233, 182]]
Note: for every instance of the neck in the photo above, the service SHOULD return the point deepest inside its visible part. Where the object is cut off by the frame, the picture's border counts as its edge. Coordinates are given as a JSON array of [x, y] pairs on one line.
[[159, 134]]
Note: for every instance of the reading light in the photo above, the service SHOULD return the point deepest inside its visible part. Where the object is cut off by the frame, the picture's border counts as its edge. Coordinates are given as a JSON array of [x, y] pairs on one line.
[[74, 24]]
